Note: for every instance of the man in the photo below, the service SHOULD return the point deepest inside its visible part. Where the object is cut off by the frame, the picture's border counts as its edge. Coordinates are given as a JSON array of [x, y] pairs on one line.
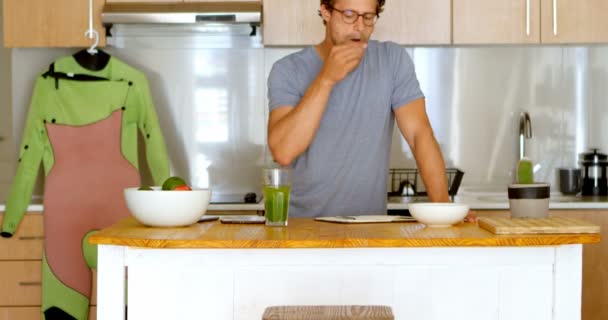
[[332, 111]]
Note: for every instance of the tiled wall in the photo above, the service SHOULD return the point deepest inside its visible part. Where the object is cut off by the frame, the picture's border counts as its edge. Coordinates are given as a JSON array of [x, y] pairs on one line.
[[211, 98]]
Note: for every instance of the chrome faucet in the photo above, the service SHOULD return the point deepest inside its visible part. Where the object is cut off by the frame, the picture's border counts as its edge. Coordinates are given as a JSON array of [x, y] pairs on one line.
[[525, 132]]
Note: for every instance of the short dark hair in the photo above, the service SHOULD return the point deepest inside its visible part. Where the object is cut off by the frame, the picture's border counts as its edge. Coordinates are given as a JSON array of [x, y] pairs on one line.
[[379, 6]]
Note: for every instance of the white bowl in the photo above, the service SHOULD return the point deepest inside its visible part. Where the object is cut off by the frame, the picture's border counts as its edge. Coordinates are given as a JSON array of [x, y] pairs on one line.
[[438, 214], [158, 208]]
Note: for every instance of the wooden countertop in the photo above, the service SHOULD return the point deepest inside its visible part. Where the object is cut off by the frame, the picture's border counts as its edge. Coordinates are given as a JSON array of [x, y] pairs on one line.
[[307, 233]]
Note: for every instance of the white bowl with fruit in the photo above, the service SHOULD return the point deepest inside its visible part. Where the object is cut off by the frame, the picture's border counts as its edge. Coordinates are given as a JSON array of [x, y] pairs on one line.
[[174, 204]]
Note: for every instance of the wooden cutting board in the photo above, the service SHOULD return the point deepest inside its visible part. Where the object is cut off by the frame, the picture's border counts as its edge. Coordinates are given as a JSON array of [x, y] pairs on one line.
[[536, 226]]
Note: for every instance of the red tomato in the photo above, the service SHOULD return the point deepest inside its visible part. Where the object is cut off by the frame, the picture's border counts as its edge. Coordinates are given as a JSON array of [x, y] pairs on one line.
[[182, 188]]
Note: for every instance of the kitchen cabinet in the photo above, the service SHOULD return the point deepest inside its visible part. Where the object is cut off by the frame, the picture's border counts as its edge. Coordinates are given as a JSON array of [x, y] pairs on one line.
[[496, 21], [27, 243], [173, 1], [291, 23], [530, 21], [254, 1], [20, 271], [31, 313], [415, 22], [574, 21], [43, 23], [143, 1], [595, 259], [20, 313], [397, 264], [21, 283]]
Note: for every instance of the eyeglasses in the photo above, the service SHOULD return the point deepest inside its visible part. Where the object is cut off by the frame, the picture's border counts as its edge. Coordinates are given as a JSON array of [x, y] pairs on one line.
[[350, 16]]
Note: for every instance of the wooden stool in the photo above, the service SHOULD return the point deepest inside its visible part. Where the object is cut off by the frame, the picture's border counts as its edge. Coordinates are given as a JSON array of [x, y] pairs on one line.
[[328, 313]]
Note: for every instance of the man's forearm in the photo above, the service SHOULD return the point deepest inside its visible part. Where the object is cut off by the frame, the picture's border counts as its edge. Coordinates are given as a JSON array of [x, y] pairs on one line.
[[432, 167], [292, 134]]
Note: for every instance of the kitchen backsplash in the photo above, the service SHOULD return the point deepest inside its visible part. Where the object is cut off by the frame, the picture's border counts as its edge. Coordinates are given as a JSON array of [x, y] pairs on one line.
[[210, 95]]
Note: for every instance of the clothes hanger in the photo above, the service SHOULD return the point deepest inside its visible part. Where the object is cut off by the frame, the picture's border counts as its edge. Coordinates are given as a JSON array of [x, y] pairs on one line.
[[92, 61], [92, 58]]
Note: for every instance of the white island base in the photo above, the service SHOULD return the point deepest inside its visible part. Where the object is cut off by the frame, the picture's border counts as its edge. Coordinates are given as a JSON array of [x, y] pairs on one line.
[[440, 283]]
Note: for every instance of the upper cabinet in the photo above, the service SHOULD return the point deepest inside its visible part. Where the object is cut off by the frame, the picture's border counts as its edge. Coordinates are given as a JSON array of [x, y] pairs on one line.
[[530, 21], [496, 21], [62, 23], [255, 1], [143, 1], [291, 23], [574, 21], [44, 23], [415, 22], [174, 1]]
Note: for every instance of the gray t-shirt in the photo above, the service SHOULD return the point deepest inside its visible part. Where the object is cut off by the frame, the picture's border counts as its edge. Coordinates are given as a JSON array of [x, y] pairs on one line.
[[344, 171]]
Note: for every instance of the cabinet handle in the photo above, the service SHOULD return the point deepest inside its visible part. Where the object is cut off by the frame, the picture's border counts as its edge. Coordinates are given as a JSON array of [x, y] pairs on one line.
[[555, 17], [31, 238], [528, 18], [29, 283]]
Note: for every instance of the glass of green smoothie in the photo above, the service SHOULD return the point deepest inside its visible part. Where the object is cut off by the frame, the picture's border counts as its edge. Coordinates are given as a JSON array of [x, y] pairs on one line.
[[276, 183]]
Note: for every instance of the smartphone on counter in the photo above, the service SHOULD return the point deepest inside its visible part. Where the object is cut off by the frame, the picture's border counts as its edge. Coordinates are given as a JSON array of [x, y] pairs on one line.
[[208, 218], [242, 219]]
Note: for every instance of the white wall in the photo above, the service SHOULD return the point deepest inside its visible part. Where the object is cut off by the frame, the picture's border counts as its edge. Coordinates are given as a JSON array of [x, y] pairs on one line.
[[5, 86], [7, 148]]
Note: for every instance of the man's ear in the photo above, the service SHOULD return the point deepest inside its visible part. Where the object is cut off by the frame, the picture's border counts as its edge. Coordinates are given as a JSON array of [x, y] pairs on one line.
[[325, 13]]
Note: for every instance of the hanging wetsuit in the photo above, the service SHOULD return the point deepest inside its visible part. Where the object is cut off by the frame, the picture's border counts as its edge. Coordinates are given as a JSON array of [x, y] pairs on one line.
[[84, 130]]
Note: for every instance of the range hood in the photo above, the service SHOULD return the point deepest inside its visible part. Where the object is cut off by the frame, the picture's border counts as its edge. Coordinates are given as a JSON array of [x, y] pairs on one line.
[[182, 13]]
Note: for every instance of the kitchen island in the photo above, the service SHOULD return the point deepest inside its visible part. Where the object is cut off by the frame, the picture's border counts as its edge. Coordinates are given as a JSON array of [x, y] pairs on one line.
[[216, 271]]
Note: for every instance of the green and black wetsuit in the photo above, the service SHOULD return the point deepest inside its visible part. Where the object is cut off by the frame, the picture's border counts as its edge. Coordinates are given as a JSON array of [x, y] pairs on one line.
[[85, 134]]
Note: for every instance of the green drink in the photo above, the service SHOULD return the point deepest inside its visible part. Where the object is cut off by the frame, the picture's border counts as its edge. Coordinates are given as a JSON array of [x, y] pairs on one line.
[[276, 183], [276, 204]]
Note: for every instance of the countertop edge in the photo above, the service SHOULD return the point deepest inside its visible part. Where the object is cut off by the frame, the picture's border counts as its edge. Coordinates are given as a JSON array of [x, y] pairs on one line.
[[511, 241]]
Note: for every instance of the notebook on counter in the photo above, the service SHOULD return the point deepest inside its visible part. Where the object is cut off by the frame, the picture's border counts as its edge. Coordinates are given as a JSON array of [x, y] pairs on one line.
[[366, 219]]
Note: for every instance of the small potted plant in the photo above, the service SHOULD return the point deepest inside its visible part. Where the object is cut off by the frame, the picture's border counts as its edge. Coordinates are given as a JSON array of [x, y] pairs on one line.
[[527, 198]]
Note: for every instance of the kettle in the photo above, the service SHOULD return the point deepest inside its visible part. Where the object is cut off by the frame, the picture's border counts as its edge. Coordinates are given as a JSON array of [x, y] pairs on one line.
[[594, 176]]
